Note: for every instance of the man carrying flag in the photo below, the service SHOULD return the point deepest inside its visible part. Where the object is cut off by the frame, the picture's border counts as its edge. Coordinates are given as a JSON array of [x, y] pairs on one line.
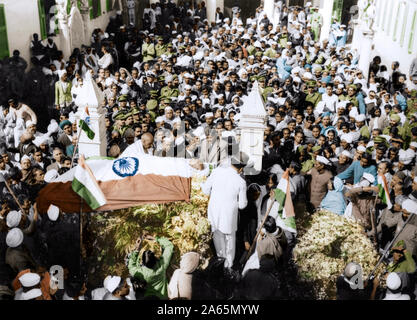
[[284, 213], [383, 185]]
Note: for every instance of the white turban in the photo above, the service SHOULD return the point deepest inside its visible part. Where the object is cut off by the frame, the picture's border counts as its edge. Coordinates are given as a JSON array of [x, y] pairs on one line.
[[360, 118], [51, 175], [405, 157], [14, 238], [53, 212], [159, 119], [410, 206], [25, 157], [199, 132], [353, 113], [393, 281], [61, 73], [361, 149], [53, 126], [29, 279], [168, 78], [347, 154], [40, 140], [323, 160], [13, 219], [308, 75], [369, 177], [346, 137], [113, 283]]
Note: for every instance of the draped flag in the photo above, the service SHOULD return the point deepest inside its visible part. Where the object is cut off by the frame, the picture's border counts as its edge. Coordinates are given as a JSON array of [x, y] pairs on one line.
[[383, 191], [286, 213], [85, 185], [107, 184]]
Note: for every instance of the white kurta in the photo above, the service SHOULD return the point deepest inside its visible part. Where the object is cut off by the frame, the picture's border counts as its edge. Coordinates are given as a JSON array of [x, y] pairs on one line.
[[227, 192]]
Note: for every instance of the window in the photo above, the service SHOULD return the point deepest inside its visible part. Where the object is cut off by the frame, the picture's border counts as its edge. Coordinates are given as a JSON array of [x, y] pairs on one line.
[[381, 7], [405, 16], [42, 20], [397, 16], [337, 10], [385, 15], [389, 14], [109, 5], [69, 6], [412, 32], [4, 42], [95, 8]]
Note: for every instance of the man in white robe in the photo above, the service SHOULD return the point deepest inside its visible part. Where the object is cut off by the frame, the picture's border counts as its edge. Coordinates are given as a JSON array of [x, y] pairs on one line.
[[227, 190]]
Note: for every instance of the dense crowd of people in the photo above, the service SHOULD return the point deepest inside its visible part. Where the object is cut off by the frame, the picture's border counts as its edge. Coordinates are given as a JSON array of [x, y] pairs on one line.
[[175, 88]]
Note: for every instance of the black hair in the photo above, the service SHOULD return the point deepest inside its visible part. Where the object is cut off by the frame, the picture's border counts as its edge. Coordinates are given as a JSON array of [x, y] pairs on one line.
[[368, 157], [73, 287], [270, 225], [148, 259]]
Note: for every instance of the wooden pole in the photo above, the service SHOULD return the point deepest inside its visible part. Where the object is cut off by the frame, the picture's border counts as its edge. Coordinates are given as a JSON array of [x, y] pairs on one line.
[[373, 221], [13, 195], [76, 146], [259, 231]]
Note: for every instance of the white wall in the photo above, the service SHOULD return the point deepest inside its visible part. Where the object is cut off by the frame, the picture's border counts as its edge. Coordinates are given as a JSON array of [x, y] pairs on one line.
[[22, 20], [384, 45]]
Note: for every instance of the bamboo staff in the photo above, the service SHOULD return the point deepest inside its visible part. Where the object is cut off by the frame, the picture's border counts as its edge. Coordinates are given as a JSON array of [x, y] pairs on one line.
[[76, 146], [373, 221], [2, 179], [259, 231]]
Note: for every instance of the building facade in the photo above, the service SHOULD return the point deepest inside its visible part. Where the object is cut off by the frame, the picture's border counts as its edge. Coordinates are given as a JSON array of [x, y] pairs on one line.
[[72, 22], [395, 28]]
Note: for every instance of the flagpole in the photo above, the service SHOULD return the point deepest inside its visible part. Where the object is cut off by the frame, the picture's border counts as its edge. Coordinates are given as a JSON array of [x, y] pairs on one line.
[[13, 195], [259, 231], [76, 146], [81, 233], [373, 221]]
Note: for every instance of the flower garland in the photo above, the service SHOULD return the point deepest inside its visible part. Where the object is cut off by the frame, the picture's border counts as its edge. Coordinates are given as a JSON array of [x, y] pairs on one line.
[[328, 242]]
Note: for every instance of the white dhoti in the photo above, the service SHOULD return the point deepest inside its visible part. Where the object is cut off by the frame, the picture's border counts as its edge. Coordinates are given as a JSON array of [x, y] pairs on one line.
[[225, 245]]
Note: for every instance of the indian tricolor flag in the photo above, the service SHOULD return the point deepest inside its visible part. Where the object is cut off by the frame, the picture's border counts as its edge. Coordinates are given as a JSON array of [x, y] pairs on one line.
[[107, 184], [85, 185], [286, 213], [383, 191], [84, 120]]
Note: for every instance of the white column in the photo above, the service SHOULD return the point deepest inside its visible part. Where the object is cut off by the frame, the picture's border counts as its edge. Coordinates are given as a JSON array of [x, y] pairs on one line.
[[211, 6], [365, 51], [92, 97], [252, 127], [326, 13], [269, 9], [357, 35]]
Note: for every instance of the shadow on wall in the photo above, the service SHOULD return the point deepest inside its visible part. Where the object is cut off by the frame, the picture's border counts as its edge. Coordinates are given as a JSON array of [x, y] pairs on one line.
[[248, 7]]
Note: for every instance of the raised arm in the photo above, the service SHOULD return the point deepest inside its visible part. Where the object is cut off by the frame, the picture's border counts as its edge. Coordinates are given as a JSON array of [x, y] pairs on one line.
[[347, 173], [168, 250]]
